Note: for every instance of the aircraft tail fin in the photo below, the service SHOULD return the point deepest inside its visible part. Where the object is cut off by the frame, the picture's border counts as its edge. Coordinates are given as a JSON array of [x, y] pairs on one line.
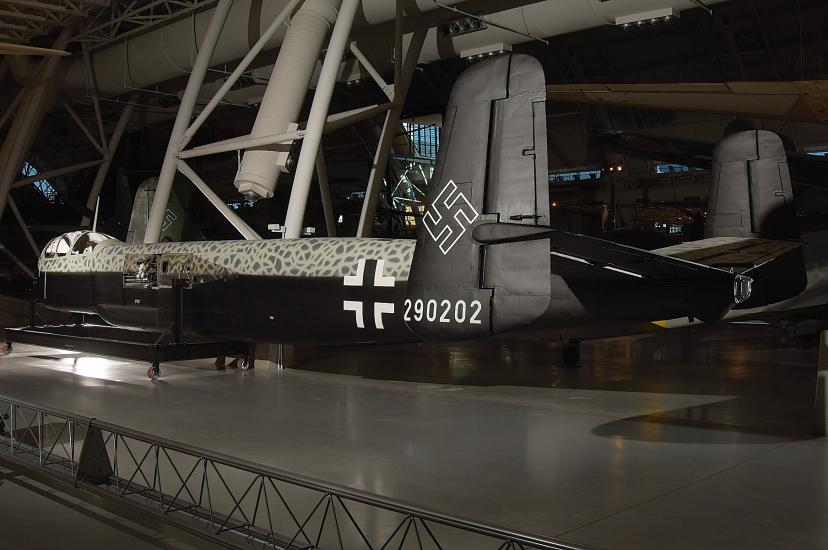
[[751, 226], [174, 219], [492, 167], [751, 194]]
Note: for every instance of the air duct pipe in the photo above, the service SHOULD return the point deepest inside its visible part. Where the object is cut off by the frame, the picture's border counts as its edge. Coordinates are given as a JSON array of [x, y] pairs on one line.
[[165, 53], [283, 98]]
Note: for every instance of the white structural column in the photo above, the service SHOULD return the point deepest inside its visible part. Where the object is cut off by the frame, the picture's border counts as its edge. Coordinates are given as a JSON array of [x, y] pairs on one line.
[[182, 120], [103, 169], [404, 74], [39, 93], [317, 118], [246, 231], [325, 193], [283, 98]]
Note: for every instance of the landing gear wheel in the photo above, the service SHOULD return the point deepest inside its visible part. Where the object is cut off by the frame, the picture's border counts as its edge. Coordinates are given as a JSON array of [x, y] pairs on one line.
[[154, 372], [571, 353], [7, 348], [246, 362]]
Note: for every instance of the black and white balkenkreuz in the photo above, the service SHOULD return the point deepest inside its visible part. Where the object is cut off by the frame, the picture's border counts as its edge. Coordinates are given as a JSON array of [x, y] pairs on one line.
[[366, 277], [449, 217]]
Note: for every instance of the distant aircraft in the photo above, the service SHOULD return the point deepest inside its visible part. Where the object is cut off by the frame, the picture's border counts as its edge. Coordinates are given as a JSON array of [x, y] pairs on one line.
[[485, 260]]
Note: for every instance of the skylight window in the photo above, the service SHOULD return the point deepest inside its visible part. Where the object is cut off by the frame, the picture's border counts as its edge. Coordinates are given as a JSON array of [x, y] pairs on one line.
[[43, 186]]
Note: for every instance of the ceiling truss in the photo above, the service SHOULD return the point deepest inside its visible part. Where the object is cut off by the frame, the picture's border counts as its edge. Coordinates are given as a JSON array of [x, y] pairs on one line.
[[98, 22], [21, 21]]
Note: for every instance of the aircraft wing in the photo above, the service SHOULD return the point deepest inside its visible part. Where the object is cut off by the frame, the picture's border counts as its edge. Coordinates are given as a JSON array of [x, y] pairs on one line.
[[804, 100]]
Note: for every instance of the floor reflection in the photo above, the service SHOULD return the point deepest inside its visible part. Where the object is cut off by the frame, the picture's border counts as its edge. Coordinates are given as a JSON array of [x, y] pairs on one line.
[[771, 375]]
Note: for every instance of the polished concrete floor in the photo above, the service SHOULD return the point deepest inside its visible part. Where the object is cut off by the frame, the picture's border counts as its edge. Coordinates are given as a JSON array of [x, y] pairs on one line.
[[38, 513], [681, 440]]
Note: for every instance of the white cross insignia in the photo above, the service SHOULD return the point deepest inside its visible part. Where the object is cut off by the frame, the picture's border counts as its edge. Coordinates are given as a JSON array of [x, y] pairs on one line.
[[378, 280]]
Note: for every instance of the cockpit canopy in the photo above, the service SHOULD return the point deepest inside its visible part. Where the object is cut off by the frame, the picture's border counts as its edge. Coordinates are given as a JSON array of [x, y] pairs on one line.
[[76, 242]]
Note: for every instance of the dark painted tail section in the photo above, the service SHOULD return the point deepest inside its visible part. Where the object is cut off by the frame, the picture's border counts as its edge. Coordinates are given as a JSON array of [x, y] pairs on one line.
[[752, 197], [492, 166], [751, 194]]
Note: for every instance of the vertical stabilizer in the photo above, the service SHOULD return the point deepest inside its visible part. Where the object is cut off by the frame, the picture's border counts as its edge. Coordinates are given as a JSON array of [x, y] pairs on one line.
[[492, 167], [751, 194], [172, 227]]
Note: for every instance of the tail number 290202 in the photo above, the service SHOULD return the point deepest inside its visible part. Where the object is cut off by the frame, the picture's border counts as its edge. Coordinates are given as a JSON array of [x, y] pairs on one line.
[[444, 311]]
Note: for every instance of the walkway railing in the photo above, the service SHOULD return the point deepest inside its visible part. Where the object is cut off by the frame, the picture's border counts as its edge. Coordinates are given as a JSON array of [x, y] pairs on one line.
[[228, 499]]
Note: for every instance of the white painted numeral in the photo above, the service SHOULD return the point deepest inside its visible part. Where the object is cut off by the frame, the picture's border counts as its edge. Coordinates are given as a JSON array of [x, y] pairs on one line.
[[446, 305], [475, 318], [431, 310], [460, 311], [449, 312]]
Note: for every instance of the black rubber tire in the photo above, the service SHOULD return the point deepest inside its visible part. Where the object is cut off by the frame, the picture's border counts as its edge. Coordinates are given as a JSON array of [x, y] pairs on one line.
[[154, 372]]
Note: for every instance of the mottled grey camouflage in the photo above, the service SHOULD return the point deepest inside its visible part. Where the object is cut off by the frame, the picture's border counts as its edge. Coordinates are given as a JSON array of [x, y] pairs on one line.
[[324, 257]]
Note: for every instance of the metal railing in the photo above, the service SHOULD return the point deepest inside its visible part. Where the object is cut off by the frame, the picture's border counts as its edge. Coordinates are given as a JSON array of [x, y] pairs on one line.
[[228, 499]]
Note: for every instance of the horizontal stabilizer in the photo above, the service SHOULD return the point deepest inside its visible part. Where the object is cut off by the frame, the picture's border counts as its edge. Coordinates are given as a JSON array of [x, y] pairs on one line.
[[589, 253], [777, 267], [730, 252]]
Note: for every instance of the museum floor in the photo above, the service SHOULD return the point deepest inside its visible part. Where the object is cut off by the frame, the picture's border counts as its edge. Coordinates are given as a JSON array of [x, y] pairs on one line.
[[676, 440]]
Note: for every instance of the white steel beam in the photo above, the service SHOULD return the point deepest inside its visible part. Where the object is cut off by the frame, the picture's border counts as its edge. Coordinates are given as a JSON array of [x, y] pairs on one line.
[[238, 71], [333, 122], [240, 225], [325, 193], [182, 120], [389, 129], [243, 142], [387, 89], [317, 118]]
